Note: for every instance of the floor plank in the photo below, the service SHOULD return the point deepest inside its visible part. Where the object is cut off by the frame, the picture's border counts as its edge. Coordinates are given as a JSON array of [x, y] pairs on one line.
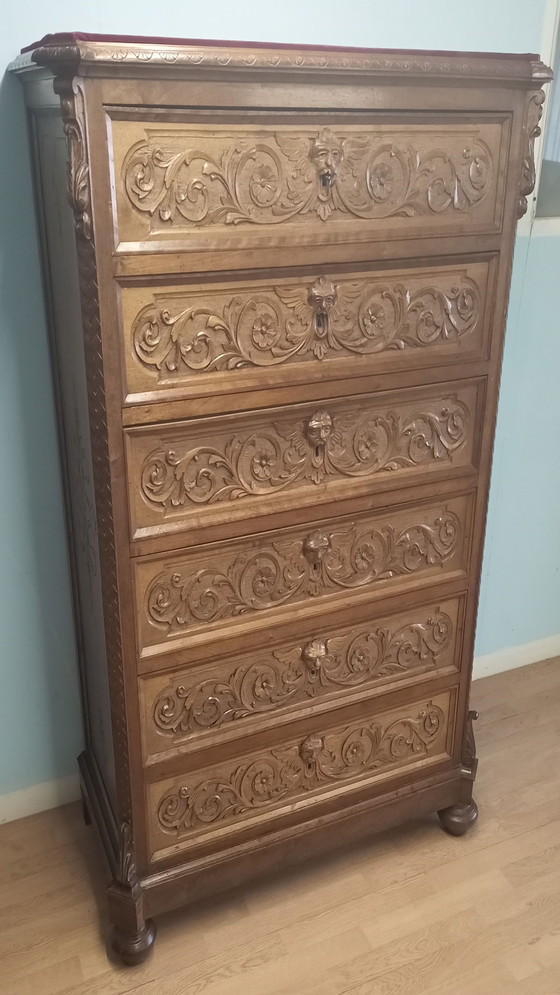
[[409, 912]]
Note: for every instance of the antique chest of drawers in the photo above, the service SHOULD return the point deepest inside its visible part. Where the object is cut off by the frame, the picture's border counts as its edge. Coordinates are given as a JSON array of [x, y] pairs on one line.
[[277, 336]]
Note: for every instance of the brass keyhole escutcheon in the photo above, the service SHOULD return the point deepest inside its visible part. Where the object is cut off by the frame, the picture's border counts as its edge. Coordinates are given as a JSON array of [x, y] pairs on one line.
[[315, 547], [313, 655]]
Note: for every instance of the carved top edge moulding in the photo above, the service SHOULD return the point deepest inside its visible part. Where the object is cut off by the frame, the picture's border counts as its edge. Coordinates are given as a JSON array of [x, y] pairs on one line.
[[64, 53]]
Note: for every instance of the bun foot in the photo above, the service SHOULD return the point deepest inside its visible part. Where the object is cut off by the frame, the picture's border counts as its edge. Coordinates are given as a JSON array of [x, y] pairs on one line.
[[459, 818], [133, 948]]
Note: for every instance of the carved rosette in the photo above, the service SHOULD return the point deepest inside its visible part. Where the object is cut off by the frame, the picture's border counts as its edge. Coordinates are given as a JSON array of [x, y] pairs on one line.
[[321, 321], [307, 765], [264, 462], [268, 178], [531, 132], [307, 672], [286, 571]]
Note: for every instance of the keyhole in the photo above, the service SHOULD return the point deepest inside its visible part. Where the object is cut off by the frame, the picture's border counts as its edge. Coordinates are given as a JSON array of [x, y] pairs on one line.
[[326, 180], [321, 321], [318, 450]]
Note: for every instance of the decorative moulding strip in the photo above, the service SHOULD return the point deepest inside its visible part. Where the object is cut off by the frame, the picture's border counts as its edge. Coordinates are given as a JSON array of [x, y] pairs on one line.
[[74, 55], [39, 797]]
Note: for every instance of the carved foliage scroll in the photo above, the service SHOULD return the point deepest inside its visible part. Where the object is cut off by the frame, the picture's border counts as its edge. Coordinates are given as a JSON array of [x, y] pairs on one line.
[[469, 760], [79, 192], [314, 322], [344, 559], [273, 680], [307, 765], [184, 179], [358, 443], [533, 114]]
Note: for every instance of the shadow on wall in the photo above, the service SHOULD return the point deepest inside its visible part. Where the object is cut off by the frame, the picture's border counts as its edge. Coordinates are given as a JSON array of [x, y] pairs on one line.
[[40, 726]]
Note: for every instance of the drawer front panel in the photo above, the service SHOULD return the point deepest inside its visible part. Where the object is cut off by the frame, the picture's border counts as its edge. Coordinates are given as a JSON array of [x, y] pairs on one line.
[[265, 785], [223, 700], [236, 583], [230, 336], [237, 184], [236, 467]]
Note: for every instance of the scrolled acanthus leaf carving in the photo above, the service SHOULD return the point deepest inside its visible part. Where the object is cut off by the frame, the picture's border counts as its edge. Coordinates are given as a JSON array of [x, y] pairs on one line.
[[469, 759], [267, 178], [304, 766], [126, 873], [284, 324], [78, 177], [288, 571], [352, 445], [318, 668], [531, 132]]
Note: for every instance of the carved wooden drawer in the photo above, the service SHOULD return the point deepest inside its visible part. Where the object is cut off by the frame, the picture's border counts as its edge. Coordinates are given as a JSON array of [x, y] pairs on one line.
[[218, 337], [314, 180], [247, 583], [211, 470], [216, 701], [301, 773]]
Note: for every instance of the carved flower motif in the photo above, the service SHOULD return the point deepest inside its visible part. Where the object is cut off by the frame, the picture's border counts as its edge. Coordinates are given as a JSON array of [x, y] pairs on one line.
[[365, 557], [265, 331], [261, 465], [355, 753], [264, 581], [366, 445], [263, 184], [263, 687], [359, 661], [263, 783], [374, 319], [381, 181]]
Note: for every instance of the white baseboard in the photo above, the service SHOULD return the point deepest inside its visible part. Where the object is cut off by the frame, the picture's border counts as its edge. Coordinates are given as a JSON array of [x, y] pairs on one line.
[[39, 797], [51, 794], [516, 656]]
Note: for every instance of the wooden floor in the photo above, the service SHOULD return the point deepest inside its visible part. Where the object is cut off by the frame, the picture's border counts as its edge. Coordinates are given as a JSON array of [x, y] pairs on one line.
[[410, 912]]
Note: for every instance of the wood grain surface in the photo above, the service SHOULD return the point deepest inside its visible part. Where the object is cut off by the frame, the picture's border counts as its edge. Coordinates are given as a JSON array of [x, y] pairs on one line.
[[407, 911]]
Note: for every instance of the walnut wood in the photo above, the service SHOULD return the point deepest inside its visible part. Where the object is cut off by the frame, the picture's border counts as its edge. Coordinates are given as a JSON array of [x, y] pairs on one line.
[[133, 947], [293, 268], [412, 909], [459, 818]]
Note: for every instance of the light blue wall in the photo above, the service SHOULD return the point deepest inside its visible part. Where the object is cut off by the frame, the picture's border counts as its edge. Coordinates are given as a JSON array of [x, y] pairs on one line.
[[40, 729], [520, 594]]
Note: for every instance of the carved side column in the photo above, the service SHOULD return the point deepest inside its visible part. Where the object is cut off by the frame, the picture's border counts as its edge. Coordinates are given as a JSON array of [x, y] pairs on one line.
[[458, 818], [132, 937]]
